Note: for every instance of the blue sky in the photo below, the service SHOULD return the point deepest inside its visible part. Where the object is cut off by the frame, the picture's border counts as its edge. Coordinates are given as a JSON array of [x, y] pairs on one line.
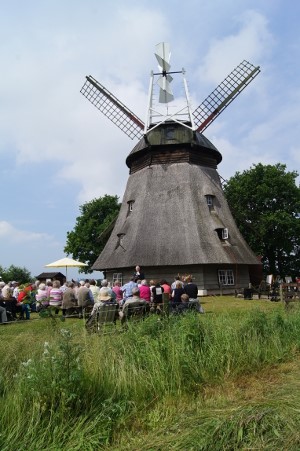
[[57, 151]]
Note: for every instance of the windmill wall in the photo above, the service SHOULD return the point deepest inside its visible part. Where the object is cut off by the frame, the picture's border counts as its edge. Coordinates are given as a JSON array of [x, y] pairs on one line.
[[174, 218], [206, 277]]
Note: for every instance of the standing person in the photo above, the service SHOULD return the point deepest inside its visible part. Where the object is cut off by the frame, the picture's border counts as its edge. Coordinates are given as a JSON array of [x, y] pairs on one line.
[[138, 275]]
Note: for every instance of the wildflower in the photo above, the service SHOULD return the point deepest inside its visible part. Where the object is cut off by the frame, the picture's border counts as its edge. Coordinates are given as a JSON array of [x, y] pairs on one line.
[[27, 363]]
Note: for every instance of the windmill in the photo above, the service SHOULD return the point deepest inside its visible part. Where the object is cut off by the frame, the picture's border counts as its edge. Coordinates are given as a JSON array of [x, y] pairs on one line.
[[174, 217]]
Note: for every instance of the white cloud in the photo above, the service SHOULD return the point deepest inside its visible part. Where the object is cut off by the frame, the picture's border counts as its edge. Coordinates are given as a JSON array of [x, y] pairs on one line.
[[252, 41], [46, 123], [12, 234]]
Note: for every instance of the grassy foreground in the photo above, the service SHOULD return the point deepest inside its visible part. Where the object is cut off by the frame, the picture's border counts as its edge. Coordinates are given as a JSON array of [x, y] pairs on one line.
[[225, 380]]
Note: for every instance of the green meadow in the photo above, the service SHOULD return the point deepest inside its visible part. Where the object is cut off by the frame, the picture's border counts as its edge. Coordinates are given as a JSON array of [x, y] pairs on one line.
[[225, 380]]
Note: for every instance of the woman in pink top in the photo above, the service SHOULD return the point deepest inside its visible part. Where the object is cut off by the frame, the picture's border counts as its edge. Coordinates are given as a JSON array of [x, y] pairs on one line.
[[145, 292], [118, 292]]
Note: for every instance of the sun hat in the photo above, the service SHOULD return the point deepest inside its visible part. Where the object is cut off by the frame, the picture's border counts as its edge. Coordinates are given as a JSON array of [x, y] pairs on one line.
[[104, 295]]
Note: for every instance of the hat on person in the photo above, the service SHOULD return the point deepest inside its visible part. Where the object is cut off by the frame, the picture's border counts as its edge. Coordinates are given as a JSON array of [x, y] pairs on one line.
[[104, 295], [82, 282]]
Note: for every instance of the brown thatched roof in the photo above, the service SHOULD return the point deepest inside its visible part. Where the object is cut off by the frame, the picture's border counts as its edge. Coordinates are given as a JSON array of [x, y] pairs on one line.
[[170, 222]]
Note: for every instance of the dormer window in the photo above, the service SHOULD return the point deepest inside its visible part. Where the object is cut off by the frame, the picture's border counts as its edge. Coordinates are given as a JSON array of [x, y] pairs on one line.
[[222, 233], [130, 206], [225, 234], [210, 200]]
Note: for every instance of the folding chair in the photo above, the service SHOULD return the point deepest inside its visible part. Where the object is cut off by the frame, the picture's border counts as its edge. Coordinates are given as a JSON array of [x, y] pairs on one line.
[[135, 311], [104, 315]]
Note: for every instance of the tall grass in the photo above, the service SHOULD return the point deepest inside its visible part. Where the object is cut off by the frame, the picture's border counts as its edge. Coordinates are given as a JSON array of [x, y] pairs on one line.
[[74, 391]]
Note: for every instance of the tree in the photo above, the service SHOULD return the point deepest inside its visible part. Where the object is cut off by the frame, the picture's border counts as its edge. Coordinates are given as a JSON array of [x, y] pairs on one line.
[[15, 273], [92, 230], [265, 202]]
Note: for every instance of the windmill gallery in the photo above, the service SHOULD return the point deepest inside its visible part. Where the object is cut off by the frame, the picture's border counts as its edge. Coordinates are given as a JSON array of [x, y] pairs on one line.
[[174, 218]]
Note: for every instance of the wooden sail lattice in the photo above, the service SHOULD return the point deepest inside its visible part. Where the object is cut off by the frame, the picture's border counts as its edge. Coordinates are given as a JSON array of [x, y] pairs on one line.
[[224, 94]]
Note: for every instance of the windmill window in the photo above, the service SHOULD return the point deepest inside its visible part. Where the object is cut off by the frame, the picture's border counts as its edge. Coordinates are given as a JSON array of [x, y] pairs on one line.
[[209, 200], [225, 234], [226, 277], [130, 206], [170, 133], [118, 276]]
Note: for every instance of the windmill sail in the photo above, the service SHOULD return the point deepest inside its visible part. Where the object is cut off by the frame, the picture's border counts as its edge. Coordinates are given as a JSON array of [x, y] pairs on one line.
[[112, 108], [224, 94], [173, 168], [163, 55]]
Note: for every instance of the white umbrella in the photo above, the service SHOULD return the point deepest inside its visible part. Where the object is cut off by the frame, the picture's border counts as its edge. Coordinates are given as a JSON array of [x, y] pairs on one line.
[[65, 263]]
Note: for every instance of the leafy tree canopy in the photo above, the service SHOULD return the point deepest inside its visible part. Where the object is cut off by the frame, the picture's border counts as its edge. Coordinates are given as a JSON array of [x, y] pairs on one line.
[[21, 275], [265, 202], [92, 230]]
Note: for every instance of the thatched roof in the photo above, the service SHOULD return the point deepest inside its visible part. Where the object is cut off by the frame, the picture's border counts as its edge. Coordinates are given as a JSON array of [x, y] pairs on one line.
[[170, 222]]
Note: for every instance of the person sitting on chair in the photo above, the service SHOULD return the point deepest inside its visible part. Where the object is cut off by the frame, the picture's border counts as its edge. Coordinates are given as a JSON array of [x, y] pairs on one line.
[[188, 304], [69, 301], [134, 301], [104, 297], [191, 288], [84, 297], [105, 311]]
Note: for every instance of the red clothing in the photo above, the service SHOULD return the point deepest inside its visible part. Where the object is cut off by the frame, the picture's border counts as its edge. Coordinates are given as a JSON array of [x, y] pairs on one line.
[[21, 296], [167, 289], [145, 293], [118, 292]]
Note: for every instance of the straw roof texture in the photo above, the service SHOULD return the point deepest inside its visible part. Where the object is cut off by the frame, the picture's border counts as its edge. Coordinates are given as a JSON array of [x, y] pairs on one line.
[[171, 223]]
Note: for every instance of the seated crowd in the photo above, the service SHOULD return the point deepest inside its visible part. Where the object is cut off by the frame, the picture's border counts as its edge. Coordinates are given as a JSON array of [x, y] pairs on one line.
[[75, 298]]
